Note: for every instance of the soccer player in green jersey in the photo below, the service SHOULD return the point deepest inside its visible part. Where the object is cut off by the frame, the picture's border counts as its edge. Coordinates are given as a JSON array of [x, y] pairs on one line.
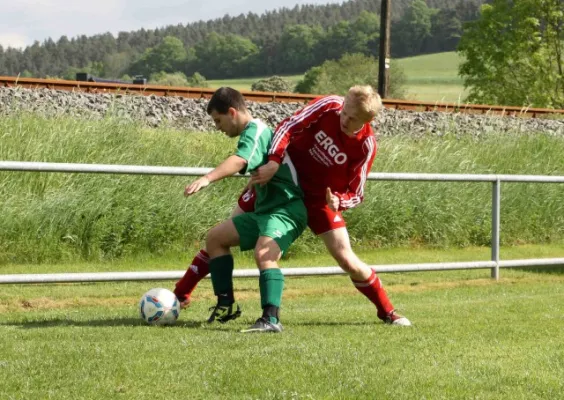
[[279, 217]]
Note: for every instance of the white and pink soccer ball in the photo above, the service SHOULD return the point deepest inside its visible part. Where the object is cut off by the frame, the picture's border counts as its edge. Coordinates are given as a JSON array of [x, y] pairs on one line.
[[159, 307]]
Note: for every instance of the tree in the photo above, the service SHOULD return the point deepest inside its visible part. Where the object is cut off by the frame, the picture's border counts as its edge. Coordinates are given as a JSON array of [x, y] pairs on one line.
[[514, 54], [268, 32], [367, 28], [116, 64], [169, 79], [93, 68], [2, 62], [358, 36], [178, 79], [12, 61], [167, 56], [296, 46], [414, 28], [226, 56], [336, 77], [307, 84], [197, 80], [37, 60], [445, 31]]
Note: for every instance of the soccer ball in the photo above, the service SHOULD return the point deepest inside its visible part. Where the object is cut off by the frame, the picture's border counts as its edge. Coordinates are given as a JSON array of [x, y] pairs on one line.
[[159, 307]]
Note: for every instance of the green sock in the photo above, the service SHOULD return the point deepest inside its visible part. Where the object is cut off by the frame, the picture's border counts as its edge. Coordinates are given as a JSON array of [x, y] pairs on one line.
[[271, 283], [221, 270]]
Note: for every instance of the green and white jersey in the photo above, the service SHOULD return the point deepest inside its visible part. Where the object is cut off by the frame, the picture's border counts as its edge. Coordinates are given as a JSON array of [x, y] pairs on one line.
[[253, 146]]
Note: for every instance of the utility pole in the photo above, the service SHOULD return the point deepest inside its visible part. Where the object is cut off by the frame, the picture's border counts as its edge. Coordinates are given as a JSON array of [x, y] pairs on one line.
[[384, 56]]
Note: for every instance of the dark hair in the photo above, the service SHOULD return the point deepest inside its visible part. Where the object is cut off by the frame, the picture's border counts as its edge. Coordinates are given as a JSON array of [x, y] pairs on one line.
[[224, 98]]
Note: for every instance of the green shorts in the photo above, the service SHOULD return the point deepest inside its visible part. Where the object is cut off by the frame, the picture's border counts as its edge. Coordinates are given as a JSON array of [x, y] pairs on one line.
[[283, 224]]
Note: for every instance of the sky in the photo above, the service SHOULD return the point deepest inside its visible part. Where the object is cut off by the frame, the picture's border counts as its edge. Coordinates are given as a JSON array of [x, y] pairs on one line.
[[24, 21]]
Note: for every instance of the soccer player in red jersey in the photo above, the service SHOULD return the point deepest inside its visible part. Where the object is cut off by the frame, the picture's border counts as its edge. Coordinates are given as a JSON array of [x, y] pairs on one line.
[[332, 146]]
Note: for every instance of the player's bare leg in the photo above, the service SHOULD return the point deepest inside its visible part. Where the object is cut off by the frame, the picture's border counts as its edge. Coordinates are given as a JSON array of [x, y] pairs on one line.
[[364, 278]]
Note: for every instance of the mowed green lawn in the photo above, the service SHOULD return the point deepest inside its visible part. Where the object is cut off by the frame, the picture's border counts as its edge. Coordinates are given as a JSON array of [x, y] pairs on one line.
[[471, 337], [431, 77], [434, 77]]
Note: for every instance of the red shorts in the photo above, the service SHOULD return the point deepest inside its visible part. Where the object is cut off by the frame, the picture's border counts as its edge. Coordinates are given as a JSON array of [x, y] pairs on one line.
[[247, 200], [320, 218]]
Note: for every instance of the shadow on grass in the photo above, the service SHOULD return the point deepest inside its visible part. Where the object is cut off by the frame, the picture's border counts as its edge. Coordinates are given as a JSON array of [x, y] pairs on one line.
[[554, 270], [137, 323], [337, 323], [96, 323]]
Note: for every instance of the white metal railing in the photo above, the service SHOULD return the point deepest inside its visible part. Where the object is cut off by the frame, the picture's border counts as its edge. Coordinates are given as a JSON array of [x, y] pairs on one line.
[[495, 264]]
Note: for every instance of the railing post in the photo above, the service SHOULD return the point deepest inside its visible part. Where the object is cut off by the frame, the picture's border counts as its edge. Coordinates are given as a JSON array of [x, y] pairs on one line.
[[496, 196]]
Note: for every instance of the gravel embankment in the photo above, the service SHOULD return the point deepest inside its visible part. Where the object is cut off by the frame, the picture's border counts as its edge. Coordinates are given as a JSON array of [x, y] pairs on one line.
[[189, 114]]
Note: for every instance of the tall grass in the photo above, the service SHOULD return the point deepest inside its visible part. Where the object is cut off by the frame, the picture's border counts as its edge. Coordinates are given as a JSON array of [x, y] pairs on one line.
[[48, 217]]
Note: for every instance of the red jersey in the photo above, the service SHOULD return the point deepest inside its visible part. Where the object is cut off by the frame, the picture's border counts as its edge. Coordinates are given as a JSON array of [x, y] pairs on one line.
[[323, 155]]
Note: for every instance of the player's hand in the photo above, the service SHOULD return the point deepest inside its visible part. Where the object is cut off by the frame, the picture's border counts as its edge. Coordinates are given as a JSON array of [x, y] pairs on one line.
[[196, 186], [265, 173], [332, 200]]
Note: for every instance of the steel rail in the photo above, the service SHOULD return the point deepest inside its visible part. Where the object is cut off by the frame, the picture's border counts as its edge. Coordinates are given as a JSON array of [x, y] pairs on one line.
[[206, 93], [494, 264]]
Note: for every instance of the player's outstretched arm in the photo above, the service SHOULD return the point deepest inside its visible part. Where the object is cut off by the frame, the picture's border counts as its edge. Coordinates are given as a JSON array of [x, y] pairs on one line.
[[230, 166]]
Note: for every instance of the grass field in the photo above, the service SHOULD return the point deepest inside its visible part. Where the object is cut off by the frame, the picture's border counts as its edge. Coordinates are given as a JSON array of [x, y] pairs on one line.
[[432, 77], [471, 337]]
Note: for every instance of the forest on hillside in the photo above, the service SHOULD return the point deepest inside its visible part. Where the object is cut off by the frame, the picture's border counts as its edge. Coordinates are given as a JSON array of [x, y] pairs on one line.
[[283, 41]]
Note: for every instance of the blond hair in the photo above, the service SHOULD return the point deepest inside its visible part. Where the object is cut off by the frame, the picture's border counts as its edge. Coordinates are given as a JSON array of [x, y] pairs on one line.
[[366, 100]]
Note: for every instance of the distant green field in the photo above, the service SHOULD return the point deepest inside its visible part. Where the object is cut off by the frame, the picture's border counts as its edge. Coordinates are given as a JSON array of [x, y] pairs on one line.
[[432, 77], [440, 68]]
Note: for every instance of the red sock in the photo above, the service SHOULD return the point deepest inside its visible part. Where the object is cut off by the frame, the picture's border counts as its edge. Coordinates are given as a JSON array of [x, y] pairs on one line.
[[372, 288], [199, 268]]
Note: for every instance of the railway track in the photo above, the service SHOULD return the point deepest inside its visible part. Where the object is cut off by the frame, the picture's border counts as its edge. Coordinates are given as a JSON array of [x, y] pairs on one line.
[[198, 93]]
